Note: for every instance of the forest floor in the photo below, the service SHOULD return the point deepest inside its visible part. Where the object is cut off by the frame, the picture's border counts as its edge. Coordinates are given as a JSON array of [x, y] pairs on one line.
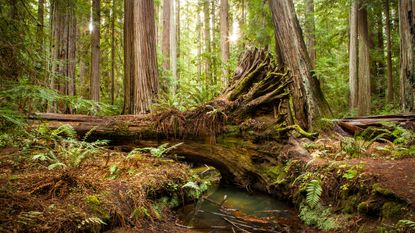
[[118, 192], [106, 192]]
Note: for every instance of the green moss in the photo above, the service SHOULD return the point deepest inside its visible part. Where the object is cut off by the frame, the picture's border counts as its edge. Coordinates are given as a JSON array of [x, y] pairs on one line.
[[363, 207], [392, 210], [350, 204], [277, 174], [387, 193], [140, 213], [92, 201], [95, 205]]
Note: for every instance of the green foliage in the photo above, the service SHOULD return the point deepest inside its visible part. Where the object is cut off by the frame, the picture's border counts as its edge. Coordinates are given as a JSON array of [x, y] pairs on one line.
[[319, 216], [350, 174], [406, 223], [113, 172], [314, 191], [60, 148], [158, 152]]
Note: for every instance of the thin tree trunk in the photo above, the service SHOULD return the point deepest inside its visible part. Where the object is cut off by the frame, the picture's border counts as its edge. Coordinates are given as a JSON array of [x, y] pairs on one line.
[[178, 31], [308, 101], [113, 53], [165, 43], [310, 31], [407, 70], [199, 49], [95, 47], [224, 39], [173, 46], [208, 48], [129, 64], [40, 24], [364, 64], [353, 56], [389, 93]]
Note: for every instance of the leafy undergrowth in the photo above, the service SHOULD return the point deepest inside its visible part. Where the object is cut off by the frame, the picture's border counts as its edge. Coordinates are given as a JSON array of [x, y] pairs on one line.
[[61, 184]]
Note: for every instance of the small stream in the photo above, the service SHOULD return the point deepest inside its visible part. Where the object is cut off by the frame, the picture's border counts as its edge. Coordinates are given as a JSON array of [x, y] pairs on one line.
[[229, 209]]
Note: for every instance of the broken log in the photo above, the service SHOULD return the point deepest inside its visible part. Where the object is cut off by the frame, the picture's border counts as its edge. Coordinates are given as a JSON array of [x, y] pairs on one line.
[[359, 124]]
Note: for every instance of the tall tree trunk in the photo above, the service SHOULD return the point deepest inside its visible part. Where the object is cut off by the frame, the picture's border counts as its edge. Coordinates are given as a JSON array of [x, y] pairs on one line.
[[64, 31], [40, 24], [407, 70], [199, 47], [224, 39], [178, 31], [140, 53], [129, 64], [165, 42], [364, 63], [208, 48], [310, 31], [173, 46], [389, 93], [353, 56], [95, 47], [309, 102], [213, 49], [113, 52]]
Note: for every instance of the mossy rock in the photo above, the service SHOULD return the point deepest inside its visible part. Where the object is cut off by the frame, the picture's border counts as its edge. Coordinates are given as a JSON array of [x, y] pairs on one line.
[[392, 210], [349, 205]]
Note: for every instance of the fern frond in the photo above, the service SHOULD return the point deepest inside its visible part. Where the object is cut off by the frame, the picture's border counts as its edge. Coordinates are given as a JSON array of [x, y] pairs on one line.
[[314, 191], [407, 223]]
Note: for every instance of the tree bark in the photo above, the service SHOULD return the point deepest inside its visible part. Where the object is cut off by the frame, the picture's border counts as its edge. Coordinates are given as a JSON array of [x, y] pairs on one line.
[[208, 47], [389, 93], [364, 63], [224, 39], [64, 31], [309, 102], [141, 75], [173, 47], [178, 31], [40, 24], [407, 70], [165, 43], [113, 52], [310, 31], [353, 56], [95, 51]]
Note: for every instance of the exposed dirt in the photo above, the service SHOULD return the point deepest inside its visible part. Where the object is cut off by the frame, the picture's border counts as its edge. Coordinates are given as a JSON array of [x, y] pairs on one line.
[[397, 176]]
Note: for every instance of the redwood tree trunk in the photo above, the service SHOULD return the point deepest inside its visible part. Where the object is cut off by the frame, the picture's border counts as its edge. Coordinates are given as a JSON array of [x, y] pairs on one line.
[[364, 63], [389, 93], [140, 53], [310, 31], [309, 102], [407, 33], [95, 47], [165, 42], [113, 52], [64, 49], [208, 48], [224, 39], [353, 56]]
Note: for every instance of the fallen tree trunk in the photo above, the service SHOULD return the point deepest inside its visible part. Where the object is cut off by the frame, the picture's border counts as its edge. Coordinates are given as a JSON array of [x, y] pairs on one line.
[[359, 124], [228, 132]]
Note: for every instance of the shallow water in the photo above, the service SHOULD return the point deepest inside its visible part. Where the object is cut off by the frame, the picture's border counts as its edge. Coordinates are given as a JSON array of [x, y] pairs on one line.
[[260, 212]]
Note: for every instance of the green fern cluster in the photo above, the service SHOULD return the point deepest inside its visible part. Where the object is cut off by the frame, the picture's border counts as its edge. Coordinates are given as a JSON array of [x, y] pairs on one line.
[[314, 191], [59, 148], [407, 223]]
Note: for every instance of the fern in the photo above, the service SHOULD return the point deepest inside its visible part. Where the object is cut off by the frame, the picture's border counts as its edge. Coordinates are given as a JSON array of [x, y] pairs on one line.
[[407, 223], [314, 191]]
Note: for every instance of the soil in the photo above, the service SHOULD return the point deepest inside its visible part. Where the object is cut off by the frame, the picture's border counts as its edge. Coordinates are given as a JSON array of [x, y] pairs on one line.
[[397, 176]]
